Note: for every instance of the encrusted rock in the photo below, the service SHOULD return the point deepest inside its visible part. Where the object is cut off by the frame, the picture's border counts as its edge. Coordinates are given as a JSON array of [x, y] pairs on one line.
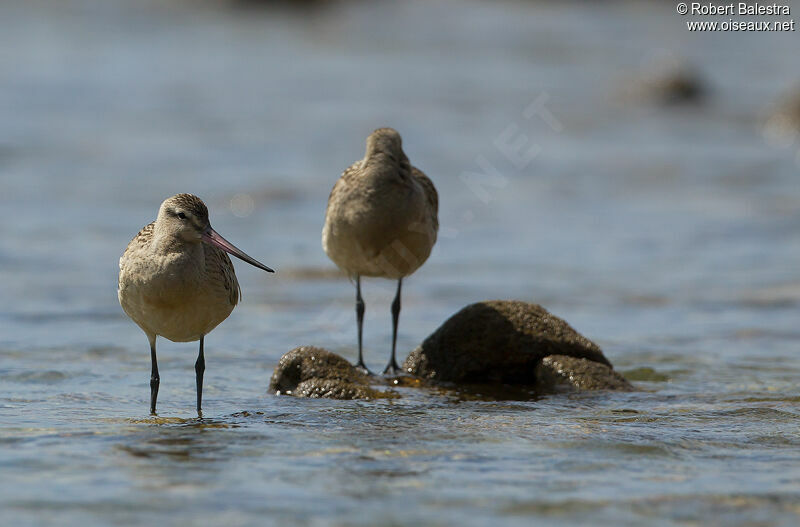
[[309, 371], [499, 341], [559, 372]]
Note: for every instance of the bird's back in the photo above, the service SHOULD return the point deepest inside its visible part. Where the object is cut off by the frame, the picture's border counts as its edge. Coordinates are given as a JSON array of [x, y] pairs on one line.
[[381, 219], [431, 196]]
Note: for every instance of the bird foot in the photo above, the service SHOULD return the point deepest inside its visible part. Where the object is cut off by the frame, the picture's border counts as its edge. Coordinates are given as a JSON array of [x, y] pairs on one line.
[[393, 370], [363, 369]]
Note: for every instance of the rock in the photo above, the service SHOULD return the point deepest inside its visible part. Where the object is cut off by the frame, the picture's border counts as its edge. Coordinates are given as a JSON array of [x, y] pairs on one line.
[[314, 372], [782, 127], [668, 81], [499, 349], [789, 108], [501, 342], [559, 372]]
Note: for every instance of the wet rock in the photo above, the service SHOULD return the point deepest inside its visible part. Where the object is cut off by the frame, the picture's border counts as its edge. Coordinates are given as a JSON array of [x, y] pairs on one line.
[[668, 81], [782, 127], [559, 372], [314, 372], [504, 342]]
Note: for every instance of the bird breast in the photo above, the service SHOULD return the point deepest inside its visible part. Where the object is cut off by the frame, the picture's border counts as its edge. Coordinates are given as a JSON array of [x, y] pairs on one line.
[[179, 295]]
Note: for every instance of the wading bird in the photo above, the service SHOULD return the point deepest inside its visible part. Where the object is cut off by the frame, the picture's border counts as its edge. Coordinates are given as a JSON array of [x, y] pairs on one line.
[[381, 221], [175, 280]]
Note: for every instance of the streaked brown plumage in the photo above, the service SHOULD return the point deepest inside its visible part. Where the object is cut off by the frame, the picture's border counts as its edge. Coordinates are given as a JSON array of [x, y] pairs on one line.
[[176, 280], [381, 220]]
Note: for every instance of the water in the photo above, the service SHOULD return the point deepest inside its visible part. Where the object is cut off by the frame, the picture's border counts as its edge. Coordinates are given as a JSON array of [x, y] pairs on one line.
[[667, 235]]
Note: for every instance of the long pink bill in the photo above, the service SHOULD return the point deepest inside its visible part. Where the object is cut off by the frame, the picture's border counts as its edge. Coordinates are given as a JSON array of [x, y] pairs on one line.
[[214, 238]]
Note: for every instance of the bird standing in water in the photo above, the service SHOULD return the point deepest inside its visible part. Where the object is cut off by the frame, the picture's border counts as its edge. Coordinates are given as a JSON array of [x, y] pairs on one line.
[[176, 281], [381, 221]]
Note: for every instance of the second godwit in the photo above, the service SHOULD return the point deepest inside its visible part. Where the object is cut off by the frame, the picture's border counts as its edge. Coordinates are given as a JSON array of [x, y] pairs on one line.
[[176, 281], [381, 221]]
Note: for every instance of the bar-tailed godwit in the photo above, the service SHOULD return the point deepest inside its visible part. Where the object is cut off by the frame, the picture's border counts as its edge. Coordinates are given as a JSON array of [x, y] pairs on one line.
[[176, 281], [381, 221]]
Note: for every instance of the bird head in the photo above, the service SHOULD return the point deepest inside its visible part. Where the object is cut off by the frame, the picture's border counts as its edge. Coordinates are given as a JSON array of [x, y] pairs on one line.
[[184, 217], [385, 141]]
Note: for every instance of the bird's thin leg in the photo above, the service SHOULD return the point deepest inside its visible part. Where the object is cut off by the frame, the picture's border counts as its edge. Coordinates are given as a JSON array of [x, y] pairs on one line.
[[199, 368], [360, 307], [155, 380], [392, 368]]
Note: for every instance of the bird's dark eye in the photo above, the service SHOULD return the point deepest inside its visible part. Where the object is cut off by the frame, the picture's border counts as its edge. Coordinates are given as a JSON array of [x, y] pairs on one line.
[[181, 215]]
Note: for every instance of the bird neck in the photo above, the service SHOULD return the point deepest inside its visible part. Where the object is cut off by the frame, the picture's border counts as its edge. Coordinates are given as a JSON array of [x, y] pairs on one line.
[[385, 158], [165, 243]]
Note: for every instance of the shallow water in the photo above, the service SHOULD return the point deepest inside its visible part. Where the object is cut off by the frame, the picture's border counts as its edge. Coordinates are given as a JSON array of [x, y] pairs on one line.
[[667, 235]]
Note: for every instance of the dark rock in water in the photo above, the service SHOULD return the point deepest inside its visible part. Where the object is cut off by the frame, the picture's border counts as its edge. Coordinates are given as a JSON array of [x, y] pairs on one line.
[[669, 82], [500, 342], [498, 349], [309, 371], [782, 127], [559, 372], [678, 87]]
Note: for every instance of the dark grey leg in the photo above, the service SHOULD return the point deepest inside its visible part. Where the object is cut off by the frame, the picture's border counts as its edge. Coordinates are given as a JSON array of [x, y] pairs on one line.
[[392, 368], [199, 368], [155, 380], [360, 308]]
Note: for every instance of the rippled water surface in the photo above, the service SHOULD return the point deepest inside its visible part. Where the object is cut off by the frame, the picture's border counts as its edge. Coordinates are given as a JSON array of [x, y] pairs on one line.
[[669, 235]]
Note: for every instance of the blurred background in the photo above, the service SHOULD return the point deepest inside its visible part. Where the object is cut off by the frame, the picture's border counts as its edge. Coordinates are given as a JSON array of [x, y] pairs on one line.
[[633, 177]]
